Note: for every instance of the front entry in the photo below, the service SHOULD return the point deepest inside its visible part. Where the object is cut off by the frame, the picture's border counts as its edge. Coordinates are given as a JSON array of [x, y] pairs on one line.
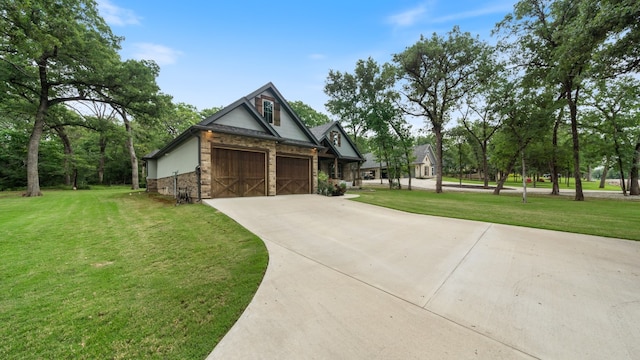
[[236, 173], [293, 175]]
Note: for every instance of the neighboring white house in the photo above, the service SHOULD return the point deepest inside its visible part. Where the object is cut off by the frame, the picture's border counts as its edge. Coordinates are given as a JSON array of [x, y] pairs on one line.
[[424, 164]]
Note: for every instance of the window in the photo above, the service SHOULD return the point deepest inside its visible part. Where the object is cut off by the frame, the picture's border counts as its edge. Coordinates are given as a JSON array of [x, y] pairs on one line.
[[267, 110], [335, 138]]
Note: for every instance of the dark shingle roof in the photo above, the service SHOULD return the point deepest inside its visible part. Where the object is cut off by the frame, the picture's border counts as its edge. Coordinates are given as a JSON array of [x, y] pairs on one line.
[[321, 131], [422, 151], [371, 162]]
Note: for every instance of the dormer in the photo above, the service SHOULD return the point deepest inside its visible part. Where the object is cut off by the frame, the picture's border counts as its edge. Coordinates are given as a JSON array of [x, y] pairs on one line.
[[269, 108]]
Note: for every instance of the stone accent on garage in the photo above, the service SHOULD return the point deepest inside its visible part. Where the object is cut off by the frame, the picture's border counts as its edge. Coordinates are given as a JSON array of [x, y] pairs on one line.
[[165, 185], [213, 139]]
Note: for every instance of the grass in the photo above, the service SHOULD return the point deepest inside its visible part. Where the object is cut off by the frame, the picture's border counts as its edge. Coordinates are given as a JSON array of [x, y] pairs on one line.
[[602, 217], [586, 185], [122, 275]]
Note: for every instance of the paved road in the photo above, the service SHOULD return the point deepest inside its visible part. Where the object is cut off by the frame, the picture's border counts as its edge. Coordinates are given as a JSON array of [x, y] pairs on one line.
[[352, 281], [430, 184]]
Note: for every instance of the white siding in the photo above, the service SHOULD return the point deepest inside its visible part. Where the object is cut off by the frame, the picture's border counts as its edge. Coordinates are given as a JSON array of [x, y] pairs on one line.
[[345, 148], [152, 168], [239, 117], [182, 159], [288, 128]]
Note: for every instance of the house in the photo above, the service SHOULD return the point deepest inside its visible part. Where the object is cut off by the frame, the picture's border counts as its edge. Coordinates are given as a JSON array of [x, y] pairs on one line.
[[423, 165], [339, 158], [256, 146]]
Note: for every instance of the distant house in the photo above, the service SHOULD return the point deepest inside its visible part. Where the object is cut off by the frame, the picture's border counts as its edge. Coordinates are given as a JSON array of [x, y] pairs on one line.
[[425, 161], [339, 157], [423, 166]]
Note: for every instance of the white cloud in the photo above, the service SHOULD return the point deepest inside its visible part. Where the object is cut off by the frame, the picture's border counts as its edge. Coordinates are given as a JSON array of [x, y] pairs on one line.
[[500, 9], [408, 17], [115, 15], [161, 54], [317, 56]]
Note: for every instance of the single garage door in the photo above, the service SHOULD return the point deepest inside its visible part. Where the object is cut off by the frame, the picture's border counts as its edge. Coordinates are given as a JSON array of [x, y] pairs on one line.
[[237, 173], [293, 175]]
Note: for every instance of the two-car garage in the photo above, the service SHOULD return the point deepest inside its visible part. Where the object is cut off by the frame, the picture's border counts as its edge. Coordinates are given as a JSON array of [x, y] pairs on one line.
[[240, 173]]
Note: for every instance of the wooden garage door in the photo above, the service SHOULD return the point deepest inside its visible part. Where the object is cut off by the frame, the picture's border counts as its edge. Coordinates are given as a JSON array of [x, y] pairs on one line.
[[237, 173], [293, 175]]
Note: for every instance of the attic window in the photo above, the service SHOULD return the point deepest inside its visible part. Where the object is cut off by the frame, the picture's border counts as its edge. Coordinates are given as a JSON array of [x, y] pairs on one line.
[[267, 110], [335, 138]]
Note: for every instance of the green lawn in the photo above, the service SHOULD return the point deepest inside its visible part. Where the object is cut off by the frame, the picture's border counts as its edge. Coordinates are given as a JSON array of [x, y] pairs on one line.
[[603, 217], [586, 185], [117, 274]]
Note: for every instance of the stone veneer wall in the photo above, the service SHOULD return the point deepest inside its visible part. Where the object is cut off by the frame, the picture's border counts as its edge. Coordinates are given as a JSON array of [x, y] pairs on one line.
[[152, 185], [208, 140], [164, 185]]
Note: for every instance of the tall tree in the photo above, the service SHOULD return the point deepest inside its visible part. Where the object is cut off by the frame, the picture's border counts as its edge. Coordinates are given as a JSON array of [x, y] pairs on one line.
[[134, 94], [364, 99], [557, 40], [309, 115], [482, 116], [615, 113], [438, 73], [51, 52]]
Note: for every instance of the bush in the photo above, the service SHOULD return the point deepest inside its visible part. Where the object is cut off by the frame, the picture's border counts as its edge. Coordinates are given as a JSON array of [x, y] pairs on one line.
[[324, 186]]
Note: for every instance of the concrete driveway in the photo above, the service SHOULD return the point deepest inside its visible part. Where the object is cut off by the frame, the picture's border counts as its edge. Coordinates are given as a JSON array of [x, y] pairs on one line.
[[352, 281]]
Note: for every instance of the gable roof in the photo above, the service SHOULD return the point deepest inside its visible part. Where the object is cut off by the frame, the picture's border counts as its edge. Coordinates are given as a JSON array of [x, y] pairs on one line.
[[246, 105], [371, 162], [284, 105], [421, 152], [266, 130], [321, 133]]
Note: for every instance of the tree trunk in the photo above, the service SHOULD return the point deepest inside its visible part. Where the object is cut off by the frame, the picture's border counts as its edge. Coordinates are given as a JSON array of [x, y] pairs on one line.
[[555, 185], [524, 180], [634, 188], [605, 171], [573, 111], [135, 183], [103, 147], [438, 132], [33, 179], [69, 166], [485, 166], [616, 145], [500, 184]]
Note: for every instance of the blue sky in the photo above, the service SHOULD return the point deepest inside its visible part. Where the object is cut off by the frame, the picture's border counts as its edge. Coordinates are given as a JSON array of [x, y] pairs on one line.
[[212, 53]]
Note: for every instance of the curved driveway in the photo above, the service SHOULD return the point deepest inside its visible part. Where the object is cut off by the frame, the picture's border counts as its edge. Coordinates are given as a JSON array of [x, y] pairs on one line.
[[348, 280]]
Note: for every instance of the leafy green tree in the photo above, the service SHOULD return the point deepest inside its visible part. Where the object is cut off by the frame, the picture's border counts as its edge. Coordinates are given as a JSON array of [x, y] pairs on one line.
[[364, 101], [482, 116], [205, 113], [614, 114], [557, 42], [52, 52], [308, 115], [438, 73], [134, 94], [527, 116]]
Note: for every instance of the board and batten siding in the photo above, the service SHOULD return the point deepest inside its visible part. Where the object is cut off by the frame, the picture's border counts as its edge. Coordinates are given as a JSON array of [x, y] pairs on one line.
[[240, 117], [288, 127], [183, 159], [346, 150]]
